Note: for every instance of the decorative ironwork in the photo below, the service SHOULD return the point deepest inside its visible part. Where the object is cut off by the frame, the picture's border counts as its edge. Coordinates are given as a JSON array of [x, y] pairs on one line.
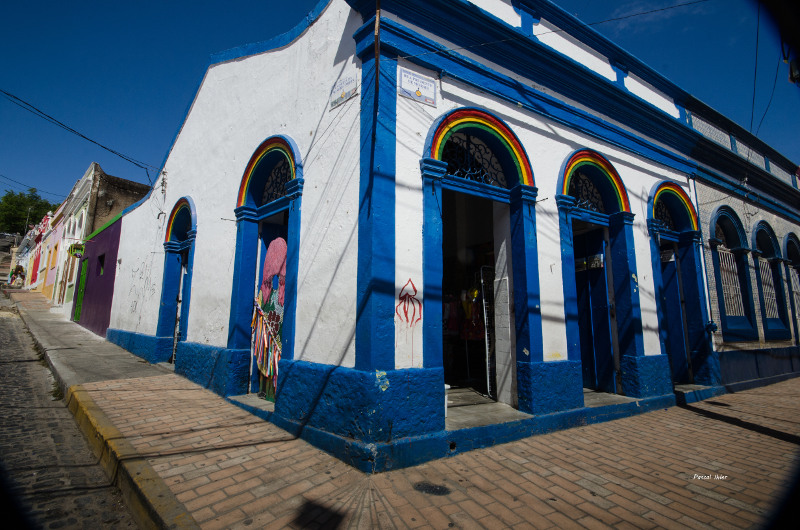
[[731, 290], [663, 215], [468, 157], [768, 288], [275, 188], [588, 196]]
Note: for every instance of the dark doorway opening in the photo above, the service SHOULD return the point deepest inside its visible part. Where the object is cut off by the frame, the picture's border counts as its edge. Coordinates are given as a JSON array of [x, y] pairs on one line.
[[596, 313], [468, 253]]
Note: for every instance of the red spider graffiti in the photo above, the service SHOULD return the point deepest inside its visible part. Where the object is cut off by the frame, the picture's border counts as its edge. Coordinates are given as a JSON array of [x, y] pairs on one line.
[[411, 306]]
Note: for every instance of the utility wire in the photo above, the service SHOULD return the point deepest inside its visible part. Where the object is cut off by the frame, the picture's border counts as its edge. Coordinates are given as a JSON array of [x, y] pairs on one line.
[[27, 187], [560, 30], [755, 69], [774, 82], [38, 112]]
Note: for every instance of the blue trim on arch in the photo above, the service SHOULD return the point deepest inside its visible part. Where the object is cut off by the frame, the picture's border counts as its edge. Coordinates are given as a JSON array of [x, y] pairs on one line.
[[734, 328], [705, 368], [182, 242]]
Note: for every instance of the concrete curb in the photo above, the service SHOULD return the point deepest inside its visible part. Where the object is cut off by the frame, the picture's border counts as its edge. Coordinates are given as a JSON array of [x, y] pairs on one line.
[[149, 499]]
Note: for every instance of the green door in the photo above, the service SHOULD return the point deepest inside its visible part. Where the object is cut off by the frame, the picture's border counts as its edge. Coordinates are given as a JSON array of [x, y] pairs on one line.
[[81, 289]]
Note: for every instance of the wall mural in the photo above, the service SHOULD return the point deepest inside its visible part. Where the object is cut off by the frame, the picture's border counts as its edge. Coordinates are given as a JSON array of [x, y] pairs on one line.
[[267, 323]]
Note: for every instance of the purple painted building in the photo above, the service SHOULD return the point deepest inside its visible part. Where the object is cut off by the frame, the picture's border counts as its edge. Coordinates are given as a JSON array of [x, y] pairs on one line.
[[92, 305]]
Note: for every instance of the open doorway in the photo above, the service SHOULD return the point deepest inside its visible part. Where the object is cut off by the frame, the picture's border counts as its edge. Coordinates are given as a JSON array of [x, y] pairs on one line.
[[269, 304], [477, 320], [596, 314]]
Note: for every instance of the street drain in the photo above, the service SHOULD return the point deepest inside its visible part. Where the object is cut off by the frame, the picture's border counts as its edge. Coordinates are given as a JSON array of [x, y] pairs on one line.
[[432, 489]]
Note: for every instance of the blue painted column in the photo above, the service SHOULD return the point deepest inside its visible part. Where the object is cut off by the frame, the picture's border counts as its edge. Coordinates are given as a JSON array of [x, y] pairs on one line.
[[432, 173], [566, 205], [244, 278], [641, 375], [376, 216], [542, 387], [294, 191]]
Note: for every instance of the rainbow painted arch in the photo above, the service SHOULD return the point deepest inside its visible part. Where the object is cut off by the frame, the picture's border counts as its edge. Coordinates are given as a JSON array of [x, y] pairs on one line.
[[460, 120]]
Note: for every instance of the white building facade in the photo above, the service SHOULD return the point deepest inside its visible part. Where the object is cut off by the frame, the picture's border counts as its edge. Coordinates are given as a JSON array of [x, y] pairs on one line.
[[397, 209]]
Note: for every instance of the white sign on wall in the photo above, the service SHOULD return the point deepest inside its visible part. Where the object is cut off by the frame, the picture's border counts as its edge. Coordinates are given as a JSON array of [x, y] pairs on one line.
[[342, 90], [416, 86]]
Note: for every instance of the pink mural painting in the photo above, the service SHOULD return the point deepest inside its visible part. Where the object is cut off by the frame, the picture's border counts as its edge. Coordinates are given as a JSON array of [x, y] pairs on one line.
[[408, 311]]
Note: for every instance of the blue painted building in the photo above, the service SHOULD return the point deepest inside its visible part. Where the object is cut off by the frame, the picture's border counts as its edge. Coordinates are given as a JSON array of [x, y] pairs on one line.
[[386, 231]]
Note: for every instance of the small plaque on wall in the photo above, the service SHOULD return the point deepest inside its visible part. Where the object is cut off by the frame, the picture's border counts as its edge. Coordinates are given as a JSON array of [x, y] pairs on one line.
[[416, 86]]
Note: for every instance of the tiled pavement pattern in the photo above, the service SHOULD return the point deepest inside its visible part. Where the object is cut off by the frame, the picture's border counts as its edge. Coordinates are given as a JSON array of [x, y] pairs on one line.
[[51, 476], [232, 470]]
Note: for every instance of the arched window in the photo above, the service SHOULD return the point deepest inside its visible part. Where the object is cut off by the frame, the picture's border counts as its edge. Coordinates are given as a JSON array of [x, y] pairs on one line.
[[770, 284], [792, 246], [734, 294]]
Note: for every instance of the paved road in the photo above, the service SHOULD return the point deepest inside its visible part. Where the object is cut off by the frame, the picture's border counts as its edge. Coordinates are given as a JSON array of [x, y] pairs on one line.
[[44, 459]]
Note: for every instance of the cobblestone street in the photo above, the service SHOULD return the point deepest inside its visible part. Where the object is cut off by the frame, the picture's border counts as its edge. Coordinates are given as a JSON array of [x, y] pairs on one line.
[[46, 463]]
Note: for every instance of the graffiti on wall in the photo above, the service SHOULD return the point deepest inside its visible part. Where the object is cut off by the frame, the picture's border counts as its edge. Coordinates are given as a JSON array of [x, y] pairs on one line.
[[408, 313], [143, 287]]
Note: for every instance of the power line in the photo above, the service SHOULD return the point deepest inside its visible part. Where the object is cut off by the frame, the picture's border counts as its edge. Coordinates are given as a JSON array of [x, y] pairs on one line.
[[560, 30], [27, 187], [755, 68], [38, 112], [774, 82]]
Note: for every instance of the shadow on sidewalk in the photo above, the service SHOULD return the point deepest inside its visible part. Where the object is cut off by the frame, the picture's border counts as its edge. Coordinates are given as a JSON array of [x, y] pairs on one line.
[[767, 431]]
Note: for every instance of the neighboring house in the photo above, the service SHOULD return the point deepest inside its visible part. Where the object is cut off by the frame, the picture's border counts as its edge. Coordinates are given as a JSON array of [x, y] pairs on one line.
[[543, 222], [8, 245], [93, 226]]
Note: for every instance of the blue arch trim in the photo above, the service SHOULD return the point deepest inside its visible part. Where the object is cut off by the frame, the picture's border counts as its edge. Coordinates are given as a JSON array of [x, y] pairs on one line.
[[726, 212], [734, 328], [763, 226]]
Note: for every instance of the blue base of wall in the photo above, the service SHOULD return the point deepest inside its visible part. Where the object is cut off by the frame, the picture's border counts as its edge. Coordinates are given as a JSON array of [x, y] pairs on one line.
[[152, 349], [706, 368], [365, 406], [645, 375], [684, 397], [413, 450], [548, 387], [748, 365], [219, 369]]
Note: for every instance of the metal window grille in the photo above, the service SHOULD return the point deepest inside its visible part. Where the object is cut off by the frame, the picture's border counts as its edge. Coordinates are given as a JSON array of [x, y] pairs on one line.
[[470, 158], [768, 288], [795, 279], [731, 290]]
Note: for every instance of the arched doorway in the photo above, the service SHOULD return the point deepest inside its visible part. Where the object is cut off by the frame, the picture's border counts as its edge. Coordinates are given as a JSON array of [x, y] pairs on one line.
[[601, 291], [173, 313], [479, 248], [264, 293], [677, 276]]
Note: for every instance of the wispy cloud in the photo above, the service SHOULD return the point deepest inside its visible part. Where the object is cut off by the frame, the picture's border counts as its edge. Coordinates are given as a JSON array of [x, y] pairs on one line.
[[640, 16]]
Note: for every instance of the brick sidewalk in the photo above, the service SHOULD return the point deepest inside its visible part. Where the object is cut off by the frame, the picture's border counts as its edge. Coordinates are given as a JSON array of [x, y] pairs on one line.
[[233, 470]]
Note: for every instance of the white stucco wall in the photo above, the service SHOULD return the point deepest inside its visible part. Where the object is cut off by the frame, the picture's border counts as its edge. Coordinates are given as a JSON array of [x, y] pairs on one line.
[[241, 103], [548, 145]]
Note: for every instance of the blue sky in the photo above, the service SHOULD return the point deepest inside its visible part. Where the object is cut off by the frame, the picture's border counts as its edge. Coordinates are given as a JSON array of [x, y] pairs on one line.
[[124, 73]]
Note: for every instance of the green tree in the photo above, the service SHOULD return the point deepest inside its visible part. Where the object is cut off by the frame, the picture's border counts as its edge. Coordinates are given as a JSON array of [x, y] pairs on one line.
[[16, 207]]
